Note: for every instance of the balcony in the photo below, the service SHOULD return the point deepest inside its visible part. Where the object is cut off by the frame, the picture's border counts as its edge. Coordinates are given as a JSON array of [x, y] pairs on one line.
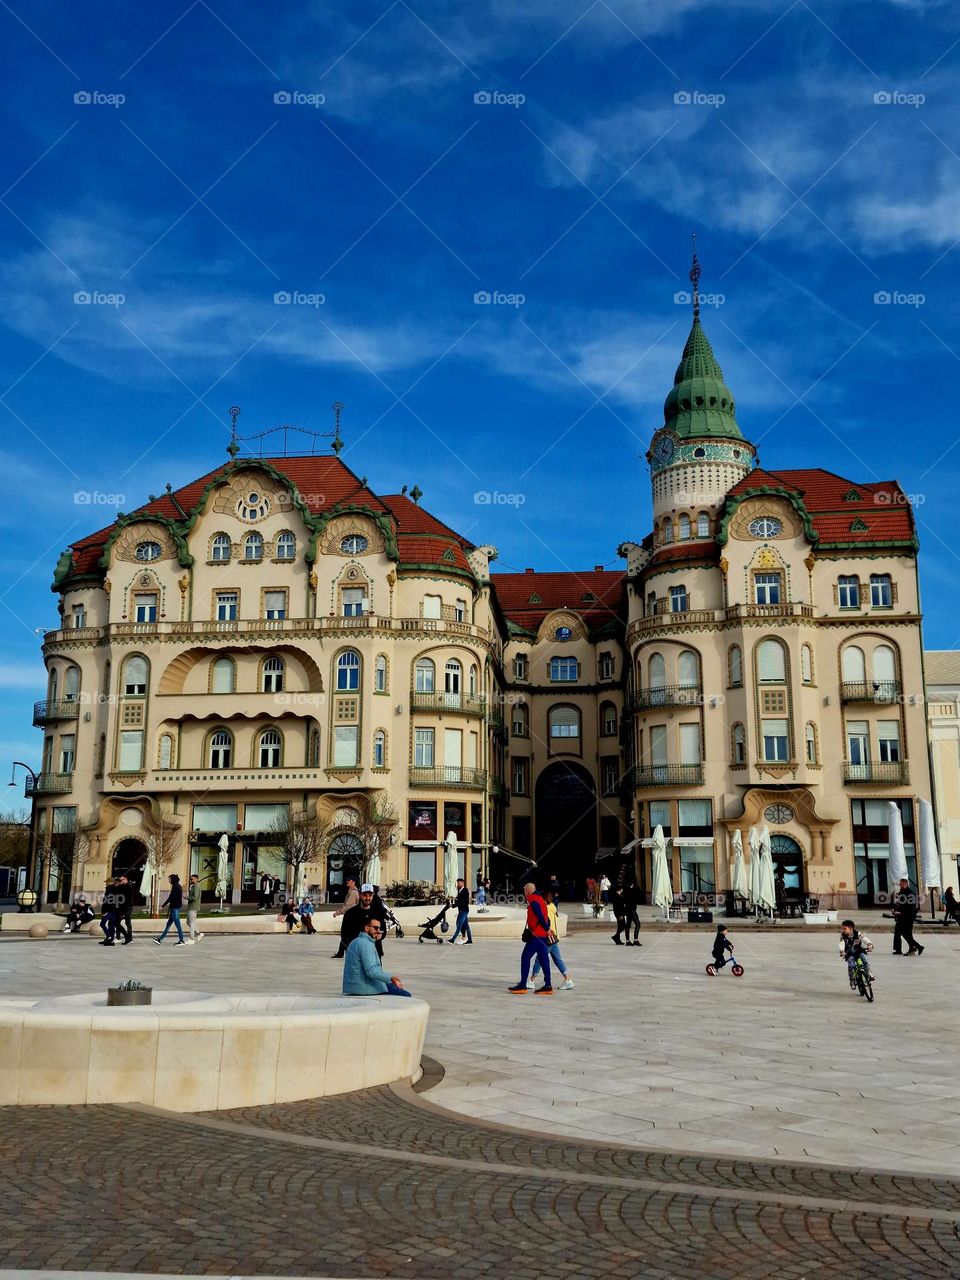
[[666, 775], [882, 692], [48, 784], [464, 704], [896, 772], [448, 776], [499, 790], [664, 620], [668, 695], [55, 709]]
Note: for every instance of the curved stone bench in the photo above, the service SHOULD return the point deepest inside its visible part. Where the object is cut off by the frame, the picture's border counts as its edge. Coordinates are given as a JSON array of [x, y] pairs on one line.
[[192, 1051]]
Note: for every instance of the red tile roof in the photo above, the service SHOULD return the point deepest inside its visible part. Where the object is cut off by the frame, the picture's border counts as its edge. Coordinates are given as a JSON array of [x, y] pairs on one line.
[[412, 518], [835, 503], [561, 591]]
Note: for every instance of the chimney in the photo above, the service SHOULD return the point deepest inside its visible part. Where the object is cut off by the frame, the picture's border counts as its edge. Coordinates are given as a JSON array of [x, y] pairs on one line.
[[598, 568], [528, 571]]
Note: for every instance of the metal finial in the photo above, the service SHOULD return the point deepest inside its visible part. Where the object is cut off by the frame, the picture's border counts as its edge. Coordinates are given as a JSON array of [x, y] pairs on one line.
[[338, 408], [233, 447], [416, 493], [695, 278]]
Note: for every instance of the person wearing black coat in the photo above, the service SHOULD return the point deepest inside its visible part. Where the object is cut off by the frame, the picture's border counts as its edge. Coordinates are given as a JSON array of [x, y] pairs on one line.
[[462, 902], [173, 904], [951, 907], [629, 900], [356, 919], [123, 895], [905, 912]]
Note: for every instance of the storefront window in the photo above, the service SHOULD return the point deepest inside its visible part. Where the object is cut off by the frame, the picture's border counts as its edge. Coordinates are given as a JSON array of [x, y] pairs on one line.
[[422, 820]]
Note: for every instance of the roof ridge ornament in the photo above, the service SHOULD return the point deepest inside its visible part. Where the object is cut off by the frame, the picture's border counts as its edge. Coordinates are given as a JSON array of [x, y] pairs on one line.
[[694, 277], [338, 407], [233, 448]]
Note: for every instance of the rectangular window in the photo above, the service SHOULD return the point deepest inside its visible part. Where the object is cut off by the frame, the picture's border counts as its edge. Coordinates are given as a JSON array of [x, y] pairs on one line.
[[79, 615], [609, 775], [345, 745], [145, 607], [563, 669], [888, 735], [354, 601], [775, 740], [423, 743], [690, 744], [263, 817], [696, 869], [226, 606], [422, 865], [658, 744], [431, 606], [520, 666], [848, 593], [679, 601], [881, 593], [858, 742], [131, 750], [660, 816], [766, 588], [606, 666], [694, 818], [68, 750], [519, 777], [422, 821], [460, 611], [275, 604]]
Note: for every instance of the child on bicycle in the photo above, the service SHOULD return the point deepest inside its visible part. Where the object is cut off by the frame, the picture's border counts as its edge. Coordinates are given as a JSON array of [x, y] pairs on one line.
[[853, 945], [721, 945]]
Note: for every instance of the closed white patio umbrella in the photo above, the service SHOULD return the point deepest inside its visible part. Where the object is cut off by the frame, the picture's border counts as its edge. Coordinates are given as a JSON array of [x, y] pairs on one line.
[[222, 845], [767, 894], [662, 888], [374, 870], [897, 857], [451, 865], [738, 872], [753, 839], [929, 853]]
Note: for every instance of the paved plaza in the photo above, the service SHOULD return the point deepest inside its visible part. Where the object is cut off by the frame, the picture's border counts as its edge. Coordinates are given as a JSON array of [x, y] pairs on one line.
[[651, 1122]]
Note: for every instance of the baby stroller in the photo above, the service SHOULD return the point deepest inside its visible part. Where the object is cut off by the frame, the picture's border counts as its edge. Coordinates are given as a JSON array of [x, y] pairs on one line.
[[440, 919], [390, 921]]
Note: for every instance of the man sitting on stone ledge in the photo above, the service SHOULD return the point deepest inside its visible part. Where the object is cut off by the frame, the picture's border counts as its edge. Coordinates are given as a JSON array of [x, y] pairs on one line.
[[363, 974]]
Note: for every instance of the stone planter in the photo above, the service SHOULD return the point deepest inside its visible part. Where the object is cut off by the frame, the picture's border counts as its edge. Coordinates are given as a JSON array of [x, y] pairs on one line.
[[116, 997]]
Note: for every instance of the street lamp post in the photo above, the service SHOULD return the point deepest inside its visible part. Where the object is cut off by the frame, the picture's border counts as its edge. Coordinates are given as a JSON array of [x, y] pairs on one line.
[[32, 838]]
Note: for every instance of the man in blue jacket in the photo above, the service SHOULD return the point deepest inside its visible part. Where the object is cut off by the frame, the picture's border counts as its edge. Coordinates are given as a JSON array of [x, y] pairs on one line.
[[363, 974]]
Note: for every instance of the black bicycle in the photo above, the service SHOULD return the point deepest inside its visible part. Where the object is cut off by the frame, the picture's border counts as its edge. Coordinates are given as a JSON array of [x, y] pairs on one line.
[[861, 979]]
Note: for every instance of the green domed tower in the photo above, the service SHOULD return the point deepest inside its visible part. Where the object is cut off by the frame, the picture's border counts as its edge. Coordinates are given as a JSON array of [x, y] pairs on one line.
[[700, 452]]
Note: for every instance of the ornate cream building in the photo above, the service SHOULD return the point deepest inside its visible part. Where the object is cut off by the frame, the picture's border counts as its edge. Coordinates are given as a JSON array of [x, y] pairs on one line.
[[277, 638]]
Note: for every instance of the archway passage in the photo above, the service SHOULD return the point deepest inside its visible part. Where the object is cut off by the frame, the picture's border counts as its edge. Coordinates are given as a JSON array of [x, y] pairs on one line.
[[566, 815], [129, 859], [787, 859], [344, 859]]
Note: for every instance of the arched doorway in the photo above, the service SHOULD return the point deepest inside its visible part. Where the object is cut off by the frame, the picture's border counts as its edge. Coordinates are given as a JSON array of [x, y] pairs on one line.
[[129, 859], [787, 859], [566, 817], [344, 858]]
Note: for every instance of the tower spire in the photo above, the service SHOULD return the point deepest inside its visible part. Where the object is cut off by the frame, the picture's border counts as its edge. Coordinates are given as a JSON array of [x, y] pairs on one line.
[[695, 277]]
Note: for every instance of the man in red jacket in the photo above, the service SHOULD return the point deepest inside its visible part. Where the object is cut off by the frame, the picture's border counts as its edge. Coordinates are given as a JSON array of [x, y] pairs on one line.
[[538, 935]]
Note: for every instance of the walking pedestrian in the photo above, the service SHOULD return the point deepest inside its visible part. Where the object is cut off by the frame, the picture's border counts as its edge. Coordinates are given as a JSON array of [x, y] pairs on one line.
[[616, 905], [108, 913], [349, 902], [306, 915], [363, 974], [123, 893], [173, 904], [263, 895], [554, 949], [536, 937], [193, 907], [553, 890], [481, 896], [604, 889], [905, 913], [462, 933], [628, 915]]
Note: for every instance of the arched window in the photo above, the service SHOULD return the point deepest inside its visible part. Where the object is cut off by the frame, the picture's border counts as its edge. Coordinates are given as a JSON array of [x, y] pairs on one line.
[[884, 663], [657, 670], [54, 684], [564, 723], [853, 667], [668, 531], [806, 664], [379, 749], [348, 670], [286, 546], [273, 673], [811, 740], [71, 684], [848, 592], [220, 548], [314, 749], [881, 591], [221, 749], [739, 745], [165, 754], [608, 719], [452, 676], [703, 525], [679, 600], [270, 748], [135, 672], [223, 676], [688, 670], [735, 664], [380, 674], [684, 527], [651, 603], [253, 546], [771, 661], [424, 675], [474, 680]]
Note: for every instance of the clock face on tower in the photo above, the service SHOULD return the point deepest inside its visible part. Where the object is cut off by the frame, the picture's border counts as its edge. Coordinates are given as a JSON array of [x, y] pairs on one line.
[[778, 813], [662, 451]]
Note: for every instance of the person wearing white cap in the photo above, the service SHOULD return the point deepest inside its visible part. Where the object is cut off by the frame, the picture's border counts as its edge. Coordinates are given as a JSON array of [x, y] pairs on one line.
[[356, 919]]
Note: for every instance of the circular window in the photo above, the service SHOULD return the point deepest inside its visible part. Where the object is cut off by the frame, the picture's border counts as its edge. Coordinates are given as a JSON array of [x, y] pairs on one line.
[[778, 813], [353, 543], [563, 633], [765, 527], [254, 506], [699, 453], [149, 551]]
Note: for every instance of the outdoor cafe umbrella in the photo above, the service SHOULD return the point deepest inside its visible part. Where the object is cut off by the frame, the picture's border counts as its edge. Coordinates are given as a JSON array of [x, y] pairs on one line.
[[753, 839], [897, 858], [767, 894], [374, 872], [222, 846], [929, 853], [738, 874], [662, 888], [146, 881], [451, 865]]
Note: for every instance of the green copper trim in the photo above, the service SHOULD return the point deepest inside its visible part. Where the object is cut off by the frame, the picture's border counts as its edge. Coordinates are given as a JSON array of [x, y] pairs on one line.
[[700, 404], [767, 491]]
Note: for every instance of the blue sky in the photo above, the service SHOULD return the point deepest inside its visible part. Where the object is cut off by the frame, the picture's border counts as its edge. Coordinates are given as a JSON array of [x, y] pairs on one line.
[[604, 133]]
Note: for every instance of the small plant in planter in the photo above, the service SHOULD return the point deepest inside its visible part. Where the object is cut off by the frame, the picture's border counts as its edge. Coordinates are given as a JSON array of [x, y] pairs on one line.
[[130, 992]]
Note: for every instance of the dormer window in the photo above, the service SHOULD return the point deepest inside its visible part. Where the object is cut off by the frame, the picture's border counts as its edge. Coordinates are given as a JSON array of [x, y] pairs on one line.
[[149, 551], [353, 544], [254, 506]]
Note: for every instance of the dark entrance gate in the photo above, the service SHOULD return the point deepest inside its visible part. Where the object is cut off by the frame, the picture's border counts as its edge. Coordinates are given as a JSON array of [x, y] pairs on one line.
[[566, 812], [129, 859]]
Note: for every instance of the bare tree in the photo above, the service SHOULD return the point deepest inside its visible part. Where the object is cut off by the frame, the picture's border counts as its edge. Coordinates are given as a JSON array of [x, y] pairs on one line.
[[374, 829], [67, 851], [302, 839], [14, 838], [163, 849]]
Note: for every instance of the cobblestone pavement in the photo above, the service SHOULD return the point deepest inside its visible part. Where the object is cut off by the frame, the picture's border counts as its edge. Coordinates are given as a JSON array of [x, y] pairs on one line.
[[379, 1184]]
